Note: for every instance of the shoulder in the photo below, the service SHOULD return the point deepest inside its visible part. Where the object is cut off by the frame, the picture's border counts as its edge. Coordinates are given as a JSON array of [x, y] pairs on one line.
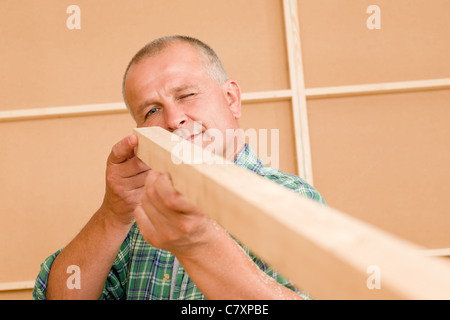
[[293, 182], [248, 160]]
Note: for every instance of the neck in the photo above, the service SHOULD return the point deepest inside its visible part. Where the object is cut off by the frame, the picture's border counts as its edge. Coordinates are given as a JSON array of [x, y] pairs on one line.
[[234, 146]]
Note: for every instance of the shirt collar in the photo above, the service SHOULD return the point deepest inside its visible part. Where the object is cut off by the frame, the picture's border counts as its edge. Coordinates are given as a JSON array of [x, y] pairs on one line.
[[246, 158]]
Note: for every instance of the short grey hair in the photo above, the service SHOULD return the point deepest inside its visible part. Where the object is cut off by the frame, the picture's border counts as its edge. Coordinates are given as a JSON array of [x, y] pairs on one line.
[[213, 65]]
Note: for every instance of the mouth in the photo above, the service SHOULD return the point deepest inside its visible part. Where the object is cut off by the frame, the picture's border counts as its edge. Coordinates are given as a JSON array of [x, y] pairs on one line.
[[193, 136]]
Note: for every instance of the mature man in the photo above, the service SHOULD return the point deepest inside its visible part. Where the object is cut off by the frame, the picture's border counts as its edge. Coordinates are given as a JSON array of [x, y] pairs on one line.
[[147, 241]]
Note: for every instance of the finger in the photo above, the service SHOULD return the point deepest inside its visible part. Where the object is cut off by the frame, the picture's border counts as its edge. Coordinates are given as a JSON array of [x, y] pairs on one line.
[[132, 167], [156, 217], [144, 223], [155, 206], [136, 182], [152, 177], [150, 194], [171, 198], [123, 150]]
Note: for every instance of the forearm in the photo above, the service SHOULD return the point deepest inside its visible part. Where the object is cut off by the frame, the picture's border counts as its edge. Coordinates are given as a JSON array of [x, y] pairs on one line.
[[93, 250], [214, 261], [222, 270]]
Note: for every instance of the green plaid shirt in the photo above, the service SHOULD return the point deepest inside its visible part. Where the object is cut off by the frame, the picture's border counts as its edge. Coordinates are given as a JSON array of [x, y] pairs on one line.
[[141, 271]]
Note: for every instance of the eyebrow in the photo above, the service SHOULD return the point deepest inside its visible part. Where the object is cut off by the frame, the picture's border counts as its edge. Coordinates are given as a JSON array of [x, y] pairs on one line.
[[182, 87], [173, 90]]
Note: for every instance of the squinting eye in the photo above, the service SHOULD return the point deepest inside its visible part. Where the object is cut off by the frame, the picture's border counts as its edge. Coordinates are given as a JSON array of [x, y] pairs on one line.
[[187, 96], [152, 111]]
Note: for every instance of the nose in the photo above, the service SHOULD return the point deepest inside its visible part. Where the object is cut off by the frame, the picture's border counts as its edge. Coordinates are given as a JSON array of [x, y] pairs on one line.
[[175, 117]]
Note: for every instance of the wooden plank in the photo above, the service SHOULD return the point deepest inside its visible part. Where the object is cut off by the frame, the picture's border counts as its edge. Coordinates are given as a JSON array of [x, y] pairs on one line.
[[442, 252], [117, 107], [378, 88], [297, 83], [248, 97], [64, 111], [325, 252], [16, 285], [266, 96]]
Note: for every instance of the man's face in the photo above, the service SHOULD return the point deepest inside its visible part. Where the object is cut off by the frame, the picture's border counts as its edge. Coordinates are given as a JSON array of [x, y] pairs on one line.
[[172, 90]]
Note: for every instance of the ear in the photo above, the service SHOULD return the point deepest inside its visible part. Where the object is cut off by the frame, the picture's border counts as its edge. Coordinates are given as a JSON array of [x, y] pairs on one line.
[[233, 96]]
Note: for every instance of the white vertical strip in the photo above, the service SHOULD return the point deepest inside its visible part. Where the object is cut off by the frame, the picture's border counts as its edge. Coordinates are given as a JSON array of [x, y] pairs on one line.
[[298, 90]]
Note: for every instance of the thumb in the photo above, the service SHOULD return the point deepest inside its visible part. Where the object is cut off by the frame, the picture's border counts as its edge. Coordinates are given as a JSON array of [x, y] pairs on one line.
[[123, 150]]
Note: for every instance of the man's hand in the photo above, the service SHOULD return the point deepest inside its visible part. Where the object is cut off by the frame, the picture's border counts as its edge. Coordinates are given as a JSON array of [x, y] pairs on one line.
[[95, 248], [125, 179], [213, 260], [168, 220]]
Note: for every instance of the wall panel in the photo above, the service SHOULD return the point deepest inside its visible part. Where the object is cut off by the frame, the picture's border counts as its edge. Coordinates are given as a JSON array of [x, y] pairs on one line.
[[54, 168], [54, 181], [45, 64], [339, 49], [273, 116], [384, 159]]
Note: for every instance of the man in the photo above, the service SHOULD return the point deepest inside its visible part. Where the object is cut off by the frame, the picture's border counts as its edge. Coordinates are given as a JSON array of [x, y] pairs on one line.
[[147, 241]]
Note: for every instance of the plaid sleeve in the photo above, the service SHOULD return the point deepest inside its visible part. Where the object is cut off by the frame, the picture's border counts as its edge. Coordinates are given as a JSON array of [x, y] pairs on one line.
[[247, 159], [116, 282], [294, 183], [40, 285], [114, 288]]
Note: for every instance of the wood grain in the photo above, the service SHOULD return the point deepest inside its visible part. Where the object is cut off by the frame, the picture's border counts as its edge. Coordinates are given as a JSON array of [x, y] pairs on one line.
[[323, 251]]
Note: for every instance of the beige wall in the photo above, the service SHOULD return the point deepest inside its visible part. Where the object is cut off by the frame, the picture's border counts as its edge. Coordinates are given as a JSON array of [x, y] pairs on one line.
[[382, 158]]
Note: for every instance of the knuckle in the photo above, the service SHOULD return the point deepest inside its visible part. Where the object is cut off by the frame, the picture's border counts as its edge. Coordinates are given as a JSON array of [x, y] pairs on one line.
[[143, 166], [117, 189], [170, 200], [150, 192], [110, 178]]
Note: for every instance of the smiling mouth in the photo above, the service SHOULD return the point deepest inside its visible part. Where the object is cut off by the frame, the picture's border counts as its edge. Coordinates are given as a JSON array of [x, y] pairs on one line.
[[192, 137]]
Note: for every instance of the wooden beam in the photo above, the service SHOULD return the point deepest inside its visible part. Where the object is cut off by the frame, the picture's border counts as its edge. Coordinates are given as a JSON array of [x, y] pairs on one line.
[[378, 88], [442, 252], [117, 107], [325, 252], [266, 96], [248, 97], [297, 83], [65, 111], [16, 285]]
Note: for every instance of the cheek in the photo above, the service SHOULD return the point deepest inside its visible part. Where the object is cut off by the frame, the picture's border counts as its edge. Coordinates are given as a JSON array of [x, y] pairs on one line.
[[212, 113], [200, 112]]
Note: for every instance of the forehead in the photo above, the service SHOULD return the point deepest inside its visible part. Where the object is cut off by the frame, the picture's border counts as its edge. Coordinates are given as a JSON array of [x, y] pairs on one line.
[[175, 68], [176, 60]]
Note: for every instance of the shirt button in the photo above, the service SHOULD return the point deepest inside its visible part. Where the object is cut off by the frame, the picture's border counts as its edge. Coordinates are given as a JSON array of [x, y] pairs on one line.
[[166, 277]]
